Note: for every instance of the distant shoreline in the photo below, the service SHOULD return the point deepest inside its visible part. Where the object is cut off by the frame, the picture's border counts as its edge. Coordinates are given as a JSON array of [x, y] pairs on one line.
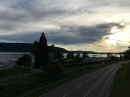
[[27, 47]]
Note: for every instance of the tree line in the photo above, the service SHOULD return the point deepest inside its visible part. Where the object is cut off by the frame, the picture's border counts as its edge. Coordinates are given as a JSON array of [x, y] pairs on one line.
[[51, 59], [44, 55]]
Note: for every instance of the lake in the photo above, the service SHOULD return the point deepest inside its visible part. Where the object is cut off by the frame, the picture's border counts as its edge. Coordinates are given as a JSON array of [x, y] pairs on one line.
[[6, 56], [90, 55]]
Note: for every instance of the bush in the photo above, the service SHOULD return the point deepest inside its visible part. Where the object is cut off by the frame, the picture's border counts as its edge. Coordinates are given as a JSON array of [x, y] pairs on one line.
[[54, 71], [25, 60], [20, 85]]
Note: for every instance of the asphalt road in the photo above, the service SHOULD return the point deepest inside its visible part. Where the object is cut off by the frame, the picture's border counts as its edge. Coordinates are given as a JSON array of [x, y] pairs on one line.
[[93, 84]]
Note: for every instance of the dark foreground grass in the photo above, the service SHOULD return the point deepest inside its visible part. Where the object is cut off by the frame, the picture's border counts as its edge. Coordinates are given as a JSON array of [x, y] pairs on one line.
[[35, 84], [14, 71], [46, 89], [121, 84]]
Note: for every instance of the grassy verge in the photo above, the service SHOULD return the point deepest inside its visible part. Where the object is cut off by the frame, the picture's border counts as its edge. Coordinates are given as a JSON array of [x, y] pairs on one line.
[[121, 84], [46, 89], [14, 71], [36, 83]]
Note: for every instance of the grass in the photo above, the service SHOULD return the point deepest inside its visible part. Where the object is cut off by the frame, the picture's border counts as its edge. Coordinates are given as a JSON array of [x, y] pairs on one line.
[[37, 82], [121, 84], [14, 71], [53, 86], [59, 83]]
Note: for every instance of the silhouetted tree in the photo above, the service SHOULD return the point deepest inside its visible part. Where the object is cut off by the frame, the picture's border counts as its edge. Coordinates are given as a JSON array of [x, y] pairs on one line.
[[70, 55], [28, 61], [34, 48], [127, 54], [54, 54], [59, 56], [121, 57], [109, 55], [41, 55], [113, 57], [25, 60], [77, 58], [85, 55], [55, 71]]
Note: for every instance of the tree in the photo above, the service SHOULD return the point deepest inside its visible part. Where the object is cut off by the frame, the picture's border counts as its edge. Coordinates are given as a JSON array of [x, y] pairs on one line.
[[55, 71], [28, 61], [85, 55], [77, 57], [70, 55], [34, 48], [109, 55], [127, 54], [41, 53], [121, 57], [54, 54], [59, 56], [25, 60]]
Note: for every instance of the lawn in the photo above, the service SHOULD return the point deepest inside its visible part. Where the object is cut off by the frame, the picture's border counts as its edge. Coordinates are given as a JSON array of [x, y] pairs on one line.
[[121, 84], [14, 71], [37, 82]]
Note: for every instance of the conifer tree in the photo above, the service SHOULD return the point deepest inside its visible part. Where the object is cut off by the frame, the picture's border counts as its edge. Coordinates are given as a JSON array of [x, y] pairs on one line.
[[41, 56], [85, 55]]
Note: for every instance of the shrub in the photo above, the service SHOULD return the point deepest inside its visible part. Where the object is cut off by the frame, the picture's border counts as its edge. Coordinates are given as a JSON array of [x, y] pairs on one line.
[[25, 60], [55, 71]]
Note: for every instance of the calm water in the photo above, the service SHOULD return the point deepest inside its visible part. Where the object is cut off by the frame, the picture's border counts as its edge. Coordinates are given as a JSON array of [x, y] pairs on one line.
[[6, 56], [90, 55]]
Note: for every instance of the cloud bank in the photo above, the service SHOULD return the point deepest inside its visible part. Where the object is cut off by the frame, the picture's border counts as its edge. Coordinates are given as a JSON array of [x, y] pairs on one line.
[[65, 23]]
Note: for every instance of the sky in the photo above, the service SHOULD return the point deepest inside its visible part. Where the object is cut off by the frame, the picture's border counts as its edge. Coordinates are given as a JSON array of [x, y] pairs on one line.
[[88, 25]]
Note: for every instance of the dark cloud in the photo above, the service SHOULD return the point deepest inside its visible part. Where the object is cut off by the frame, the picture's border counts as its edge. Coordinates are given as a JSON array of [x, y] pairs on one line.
[[78, 34], [22, 37], [82, 34], [19, 20], [22, 14]]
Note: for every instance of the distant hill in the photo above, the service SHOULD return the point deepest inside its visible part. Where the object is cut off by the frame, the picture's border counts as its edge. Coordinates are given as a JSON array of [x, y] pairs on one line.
[[26, 47], [88, 52], [15, 47], [22, 47], [61, 50]]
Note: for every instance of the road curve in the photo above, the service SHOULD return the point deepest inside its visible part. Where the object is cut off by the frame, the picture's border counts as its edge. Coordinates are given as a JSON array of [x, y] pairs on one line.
[[93, 84]]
